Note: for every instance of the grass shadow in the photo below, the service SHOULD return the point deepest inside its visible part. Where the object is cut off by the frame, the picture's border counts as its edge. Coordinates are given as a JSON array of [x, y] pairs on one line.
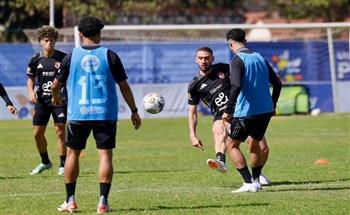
[[308, 189], [161, 207], [307, 182]]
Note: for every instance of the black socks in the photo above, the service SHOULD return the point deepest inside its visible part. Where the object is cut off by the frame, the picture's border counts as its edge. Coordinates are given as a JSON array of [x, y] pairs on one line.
[[45, 158], [220, 156], [247, 177]]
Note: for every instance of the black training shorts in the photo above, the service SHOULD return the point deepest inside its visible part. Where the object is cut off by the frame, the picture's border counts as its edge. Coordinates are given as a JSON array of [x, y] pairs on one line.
[[254, 126], [104, 133], [43, 111]]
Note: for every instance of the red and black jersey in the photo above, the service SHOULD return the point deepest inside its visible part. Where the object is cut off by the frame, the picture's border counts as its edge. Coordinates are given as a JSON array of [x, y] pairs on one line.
[[45, 69], [213, 89]]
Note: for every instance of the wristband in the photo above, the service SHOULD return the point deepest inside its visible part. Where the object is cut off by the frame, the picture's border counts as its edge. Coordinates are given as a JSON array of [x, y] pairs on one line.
[[134, 110]]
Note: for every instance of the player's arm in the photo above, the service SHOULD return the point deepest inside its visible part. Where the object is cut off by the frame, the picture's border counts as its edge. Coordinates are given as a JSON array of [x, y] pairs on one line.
[[192, 126], [129, 99], [61, 76], [33, 98], [31, 74], [12, 109], [276, 83], [236, 75]]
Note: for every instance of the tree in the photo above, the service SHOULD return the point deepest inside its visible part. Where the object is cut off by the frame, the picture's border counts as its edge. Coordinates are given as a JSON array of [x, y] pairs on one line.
[[329, 10], [22, 14]]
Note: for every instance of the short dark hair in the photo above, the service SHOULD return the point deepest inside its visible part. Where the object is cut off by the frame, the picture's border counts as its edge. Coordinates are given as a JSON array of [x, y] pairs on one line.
[[205, 49], [236, 34], [90, 26], [47, 31]]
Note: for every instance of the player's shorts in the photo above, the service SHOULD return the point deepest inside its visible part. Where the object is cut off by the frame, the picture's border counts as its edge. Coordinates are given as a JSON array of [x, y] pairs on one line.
[[43, 111], [104, 133], [254, 126]]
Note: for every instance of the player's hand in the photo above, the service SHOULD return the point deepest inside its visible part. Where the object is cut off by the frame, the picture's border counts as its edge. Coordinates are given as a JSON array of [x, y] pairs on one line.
[[226, 117], [196, 142], [12, 109], [136, 120], [33, 98], [56, 101]]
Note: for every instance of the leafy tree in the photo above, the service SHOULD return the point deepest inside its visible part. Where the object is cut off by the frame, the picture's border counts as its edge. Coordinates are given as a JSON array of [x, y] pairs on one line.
[[330, 10]]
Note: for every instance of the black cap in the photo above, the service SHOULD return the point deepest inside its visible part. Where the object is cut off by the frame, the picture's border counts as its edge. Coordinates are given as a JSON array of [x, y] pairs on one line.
[[90, 26]]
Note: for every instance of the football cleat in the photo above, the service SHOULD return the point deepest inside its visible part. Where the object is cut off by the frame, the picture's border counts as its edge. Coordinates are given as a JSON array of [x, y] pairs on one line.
[[41, 167], [217, 165], [264, 181], [61, 171], [248, 187], [68, 207], [103, 208]]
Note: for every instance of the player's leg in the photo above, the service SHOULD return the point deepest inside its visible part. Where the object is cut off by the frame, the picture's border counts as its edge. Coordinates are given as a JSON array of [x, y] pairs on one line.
[[255, 158], [220, 135], [264, 180], [76, 141], [59, 115], [237, 135], [105, 175], [40, 119], [105, 135], [258, 126], [71, 173]]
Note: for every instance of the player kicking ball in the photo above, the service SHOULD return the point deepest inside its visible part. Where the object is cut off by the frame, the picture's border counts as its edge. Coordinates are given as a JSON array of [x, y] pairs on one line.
[[212, 86]]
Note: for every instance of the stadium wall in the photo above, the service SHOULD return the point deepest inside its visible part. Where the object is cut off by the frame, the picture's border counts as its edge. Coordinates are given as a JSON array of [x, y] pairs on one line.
[[157, 66]]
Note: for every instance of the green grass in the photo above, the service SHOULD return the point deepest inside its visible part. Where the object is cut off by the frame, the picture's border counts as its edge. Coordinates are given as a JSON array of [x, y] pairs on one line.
[[157, 171]]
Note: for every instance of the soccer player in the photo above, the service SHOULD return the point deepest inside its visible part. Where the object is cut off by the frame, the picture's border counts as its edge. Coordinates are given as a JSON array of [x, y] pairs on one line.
[[212, 86], [11, 109], [251, 105], [43, 67], [92, 72]]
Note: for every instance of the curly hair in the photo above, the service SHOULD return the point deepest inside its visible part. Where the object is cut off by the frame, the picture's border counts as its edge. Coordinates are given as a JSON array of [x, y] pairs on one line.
[[47, 31]]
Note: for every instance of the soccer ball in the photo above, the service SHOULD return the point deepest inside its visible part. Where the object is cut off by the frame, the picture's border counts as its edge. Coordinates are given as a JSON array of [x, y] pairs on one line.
[[153, 103]]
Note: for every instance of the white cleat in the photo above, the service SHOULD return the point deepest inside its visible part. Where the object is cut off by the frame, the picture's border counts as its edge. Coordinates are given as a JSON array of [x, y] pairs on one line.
[[264, 181], [257, 184], [247, 187], [61, 171], [70, 207], [41, 167], [217, 165]]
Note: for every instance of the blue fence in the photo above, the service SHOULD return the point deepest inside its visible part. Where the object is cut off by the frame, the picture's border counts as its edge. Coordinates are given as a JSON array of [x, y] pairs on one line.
[[147, 62]]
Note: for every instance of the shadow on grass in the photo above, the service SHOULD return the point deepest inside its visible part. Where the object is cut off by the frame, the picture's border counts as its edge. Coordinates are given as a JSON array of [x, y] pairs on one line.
[[307, 182], [135, 172], [151, 171], [24, 177], [191, 208], [308, 189]]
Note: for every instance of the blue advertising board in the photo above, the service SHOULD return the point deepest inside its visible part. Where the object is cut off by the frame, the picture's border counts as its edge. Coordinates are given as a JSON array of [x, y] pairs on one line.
[[174, 62]]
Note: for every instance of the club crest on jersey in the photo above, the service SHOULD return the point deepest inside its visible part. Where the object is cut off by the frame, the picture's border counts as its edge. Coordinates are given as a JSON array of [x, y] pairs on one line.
[[221, 75], [57, 65], [90, 63], [202, 86]]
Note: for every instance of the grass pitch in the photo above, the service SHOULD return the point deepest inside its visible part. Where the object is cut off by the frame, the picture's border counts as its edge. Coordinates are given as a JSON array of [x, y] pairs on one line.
[[157, 171]]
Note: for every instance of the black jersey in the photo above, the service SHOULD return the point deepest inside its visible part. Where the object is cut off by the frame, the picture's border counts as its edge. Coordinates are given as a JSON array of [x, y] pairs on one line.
[[44, 69], [213, 89]]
